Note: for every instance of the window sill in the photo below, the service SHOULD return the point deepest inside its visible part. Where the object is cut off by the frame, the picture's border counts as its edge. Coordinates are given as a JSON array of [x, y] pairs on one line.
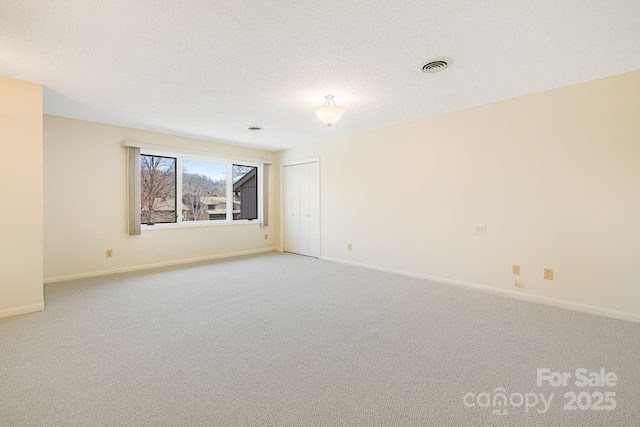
[[198, 224]]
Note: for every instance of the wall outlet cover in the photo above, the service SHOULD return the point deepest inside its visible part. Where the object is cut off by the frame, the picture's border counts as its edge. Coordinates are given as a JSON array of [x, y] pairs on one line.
[[480, 229]]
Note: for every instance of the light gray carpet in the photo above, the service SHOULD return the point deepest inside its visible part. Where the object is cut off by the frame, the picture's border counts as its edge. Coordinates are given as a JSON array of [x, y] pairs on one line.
[[285, 340]]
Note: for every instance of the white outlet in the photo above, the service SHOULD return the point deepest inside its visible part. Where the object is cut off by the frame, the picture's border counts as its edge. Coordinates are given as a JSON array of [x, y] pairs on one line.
[[349, 247], [480, 229], [109, 253]]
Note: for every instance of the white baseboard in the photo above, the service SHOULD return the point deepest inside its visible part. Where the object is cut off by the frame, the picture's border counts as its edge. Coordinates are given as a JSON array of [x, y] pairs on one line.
[[154, 265], [25, 309], [599, 311]]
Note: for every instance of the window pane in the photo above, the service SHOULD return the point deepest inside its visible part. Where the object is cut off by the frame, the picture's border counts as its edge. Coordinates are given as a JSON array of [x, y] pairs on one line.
[[204, 191], [157, 189], [245, 192]]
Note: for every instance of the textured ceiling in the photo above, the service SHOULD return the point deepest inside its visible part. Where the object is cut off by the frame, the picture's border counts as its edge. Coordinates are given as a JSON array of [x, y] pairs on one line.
[[209, 69]]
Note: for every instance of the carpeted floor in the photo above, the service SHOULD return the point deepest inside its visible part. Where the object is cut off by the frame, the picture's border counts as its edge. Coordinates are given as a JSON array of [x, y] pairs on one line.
[[285, 340]]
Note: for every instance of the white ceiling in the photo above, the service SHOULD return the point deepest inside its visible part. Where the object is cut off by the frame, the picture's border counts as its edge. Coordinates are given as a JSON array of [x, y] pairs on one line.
[[209, 69]]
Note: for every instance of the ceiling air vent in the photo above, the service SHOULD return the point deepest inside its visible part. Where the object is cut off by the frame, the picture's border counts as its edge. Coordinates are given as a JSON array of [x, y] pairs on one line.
[[436, 65]]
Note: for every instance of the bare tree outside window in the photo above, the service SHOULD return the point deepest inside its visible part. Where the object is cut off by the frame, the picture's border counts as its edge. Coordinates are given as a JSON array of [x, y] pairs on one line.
[[158, 189], [204, 191], [240, 171]]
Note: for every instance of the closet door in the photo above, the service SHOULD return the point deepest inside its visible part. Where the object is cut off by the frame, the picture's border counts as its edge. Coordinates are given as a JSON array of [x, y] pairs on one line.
[[302, 209]]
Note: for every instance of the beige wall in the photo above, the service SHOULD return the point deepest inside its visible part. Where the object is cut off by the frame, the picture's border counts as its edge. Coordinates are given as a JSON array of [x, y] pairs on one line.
[[555, 177], [85, 205], [21, 189]]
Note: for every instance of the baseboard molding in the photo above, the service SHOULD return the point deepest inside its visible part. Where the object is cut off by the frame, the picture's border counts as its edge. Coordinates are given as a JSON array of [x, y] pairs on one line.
[[25, 309], [154, 265], [583, 308]]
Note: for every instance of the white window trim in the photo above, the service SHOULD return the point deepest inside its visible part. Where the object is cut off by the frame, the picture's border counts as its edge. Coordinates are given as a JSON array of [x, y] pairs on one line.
[[197, 155], [190, 152]]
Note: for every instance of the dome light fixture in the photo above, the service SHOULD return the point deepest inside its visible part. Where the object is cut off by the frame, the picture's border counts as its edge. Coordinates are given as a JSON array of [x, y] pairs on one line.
[[329, 112]]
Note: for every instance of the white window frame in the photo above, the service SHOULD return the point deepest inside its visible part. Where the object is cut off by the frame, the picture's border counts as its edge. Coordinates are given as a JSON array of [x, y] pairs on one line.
[[212, 158]]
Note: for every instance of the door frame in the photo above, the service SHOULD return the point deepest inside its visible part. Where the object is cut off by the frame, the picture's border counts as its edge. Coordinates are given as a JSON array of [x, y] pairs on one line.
[[282, 196]]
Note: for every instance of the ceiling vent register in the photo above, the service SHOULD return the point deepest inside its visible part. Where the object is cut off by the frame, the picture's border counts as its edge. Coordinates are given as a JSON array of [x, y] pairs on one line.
[[436, 65]]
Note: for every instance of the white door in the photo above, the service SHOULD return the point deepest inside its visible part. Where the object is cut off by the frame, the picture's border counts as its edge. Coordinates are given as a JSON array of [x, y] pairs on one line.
[[302, 209]]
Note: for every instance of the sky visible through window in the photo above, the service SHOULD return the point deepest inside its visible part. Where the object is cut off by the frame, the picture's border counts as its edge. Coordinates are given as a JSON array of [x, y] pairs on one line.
[[215, 171]]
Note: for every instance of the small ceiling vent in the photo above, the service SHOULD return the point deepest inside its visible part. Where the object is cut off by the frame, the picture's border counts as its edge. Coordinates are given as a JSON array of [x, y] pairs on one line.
[[436, 65]]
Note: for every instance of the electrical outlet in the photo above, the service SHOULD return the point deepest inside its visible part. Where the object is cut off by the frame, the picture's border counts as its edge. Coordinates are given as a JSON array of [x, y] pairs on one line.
[[548, 274], [349, 246], [515, 269], [109, 253], [479, 229], [266, 237]]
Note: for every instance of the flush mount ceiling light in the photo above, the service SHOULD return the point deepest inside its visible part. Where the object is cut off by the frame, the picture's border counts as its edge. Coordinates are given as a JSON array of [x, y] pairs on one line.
[[436, 65], [329, 112]]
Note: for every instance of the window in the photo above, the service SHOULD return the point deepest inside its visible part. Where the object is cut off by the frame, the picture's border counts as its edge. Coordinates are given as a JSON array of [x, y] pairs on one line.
[[245, 191], [157, 189], [204, 190], [183, 189]]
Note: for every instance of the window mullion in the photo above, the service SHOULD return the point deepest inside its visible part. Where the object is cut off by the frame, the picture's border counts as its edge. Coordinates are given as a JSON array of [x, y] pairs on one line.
[[178, 190]]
